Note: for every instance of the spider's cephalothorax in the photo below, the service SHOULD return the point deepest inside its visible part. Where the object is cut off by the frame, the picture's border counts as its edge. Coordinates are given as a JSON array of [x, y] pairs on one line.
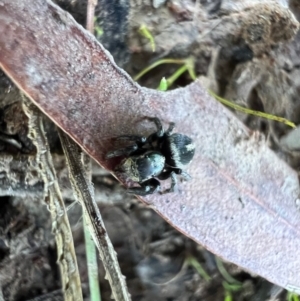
[[160, 156]]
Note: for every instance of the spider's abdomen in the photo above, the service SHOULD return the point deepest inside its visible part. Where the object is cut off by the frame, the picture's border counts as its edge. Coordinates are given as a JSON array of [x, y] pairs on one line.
[[178, 149]]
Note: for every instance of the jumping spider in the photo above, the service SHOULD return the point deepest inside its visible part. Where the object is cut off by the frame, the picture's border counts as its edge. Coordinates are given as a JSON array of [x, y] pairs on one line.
[[162, 155]]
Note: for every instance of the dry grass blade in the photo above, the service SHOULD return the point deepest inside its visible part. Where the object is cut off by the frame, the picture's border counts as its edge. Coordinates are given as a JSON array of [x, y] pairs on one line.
[[71, 285]]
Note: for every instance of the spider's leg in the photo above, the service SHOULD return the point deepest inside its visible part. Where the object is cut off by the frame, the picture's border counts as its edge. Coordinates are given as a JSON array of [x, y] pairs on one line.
[[160, 129], [185, 176], [170, 129], [178, 171], [147, 187], [168, 170], [135, 138], [165, 174], [169, 173], [156, 136], [122, 151]]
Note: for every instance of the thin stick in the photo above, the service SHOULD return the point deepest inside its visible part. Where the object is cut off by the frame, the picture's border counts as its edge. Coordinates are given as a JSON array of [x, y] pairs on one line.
[[94, 220], [90, 15]]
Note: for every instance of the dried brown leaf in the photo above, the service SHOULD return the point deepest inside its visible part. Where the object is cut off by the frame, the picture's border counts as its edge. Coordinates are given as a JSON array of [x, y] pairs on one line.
[[242, 200]]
